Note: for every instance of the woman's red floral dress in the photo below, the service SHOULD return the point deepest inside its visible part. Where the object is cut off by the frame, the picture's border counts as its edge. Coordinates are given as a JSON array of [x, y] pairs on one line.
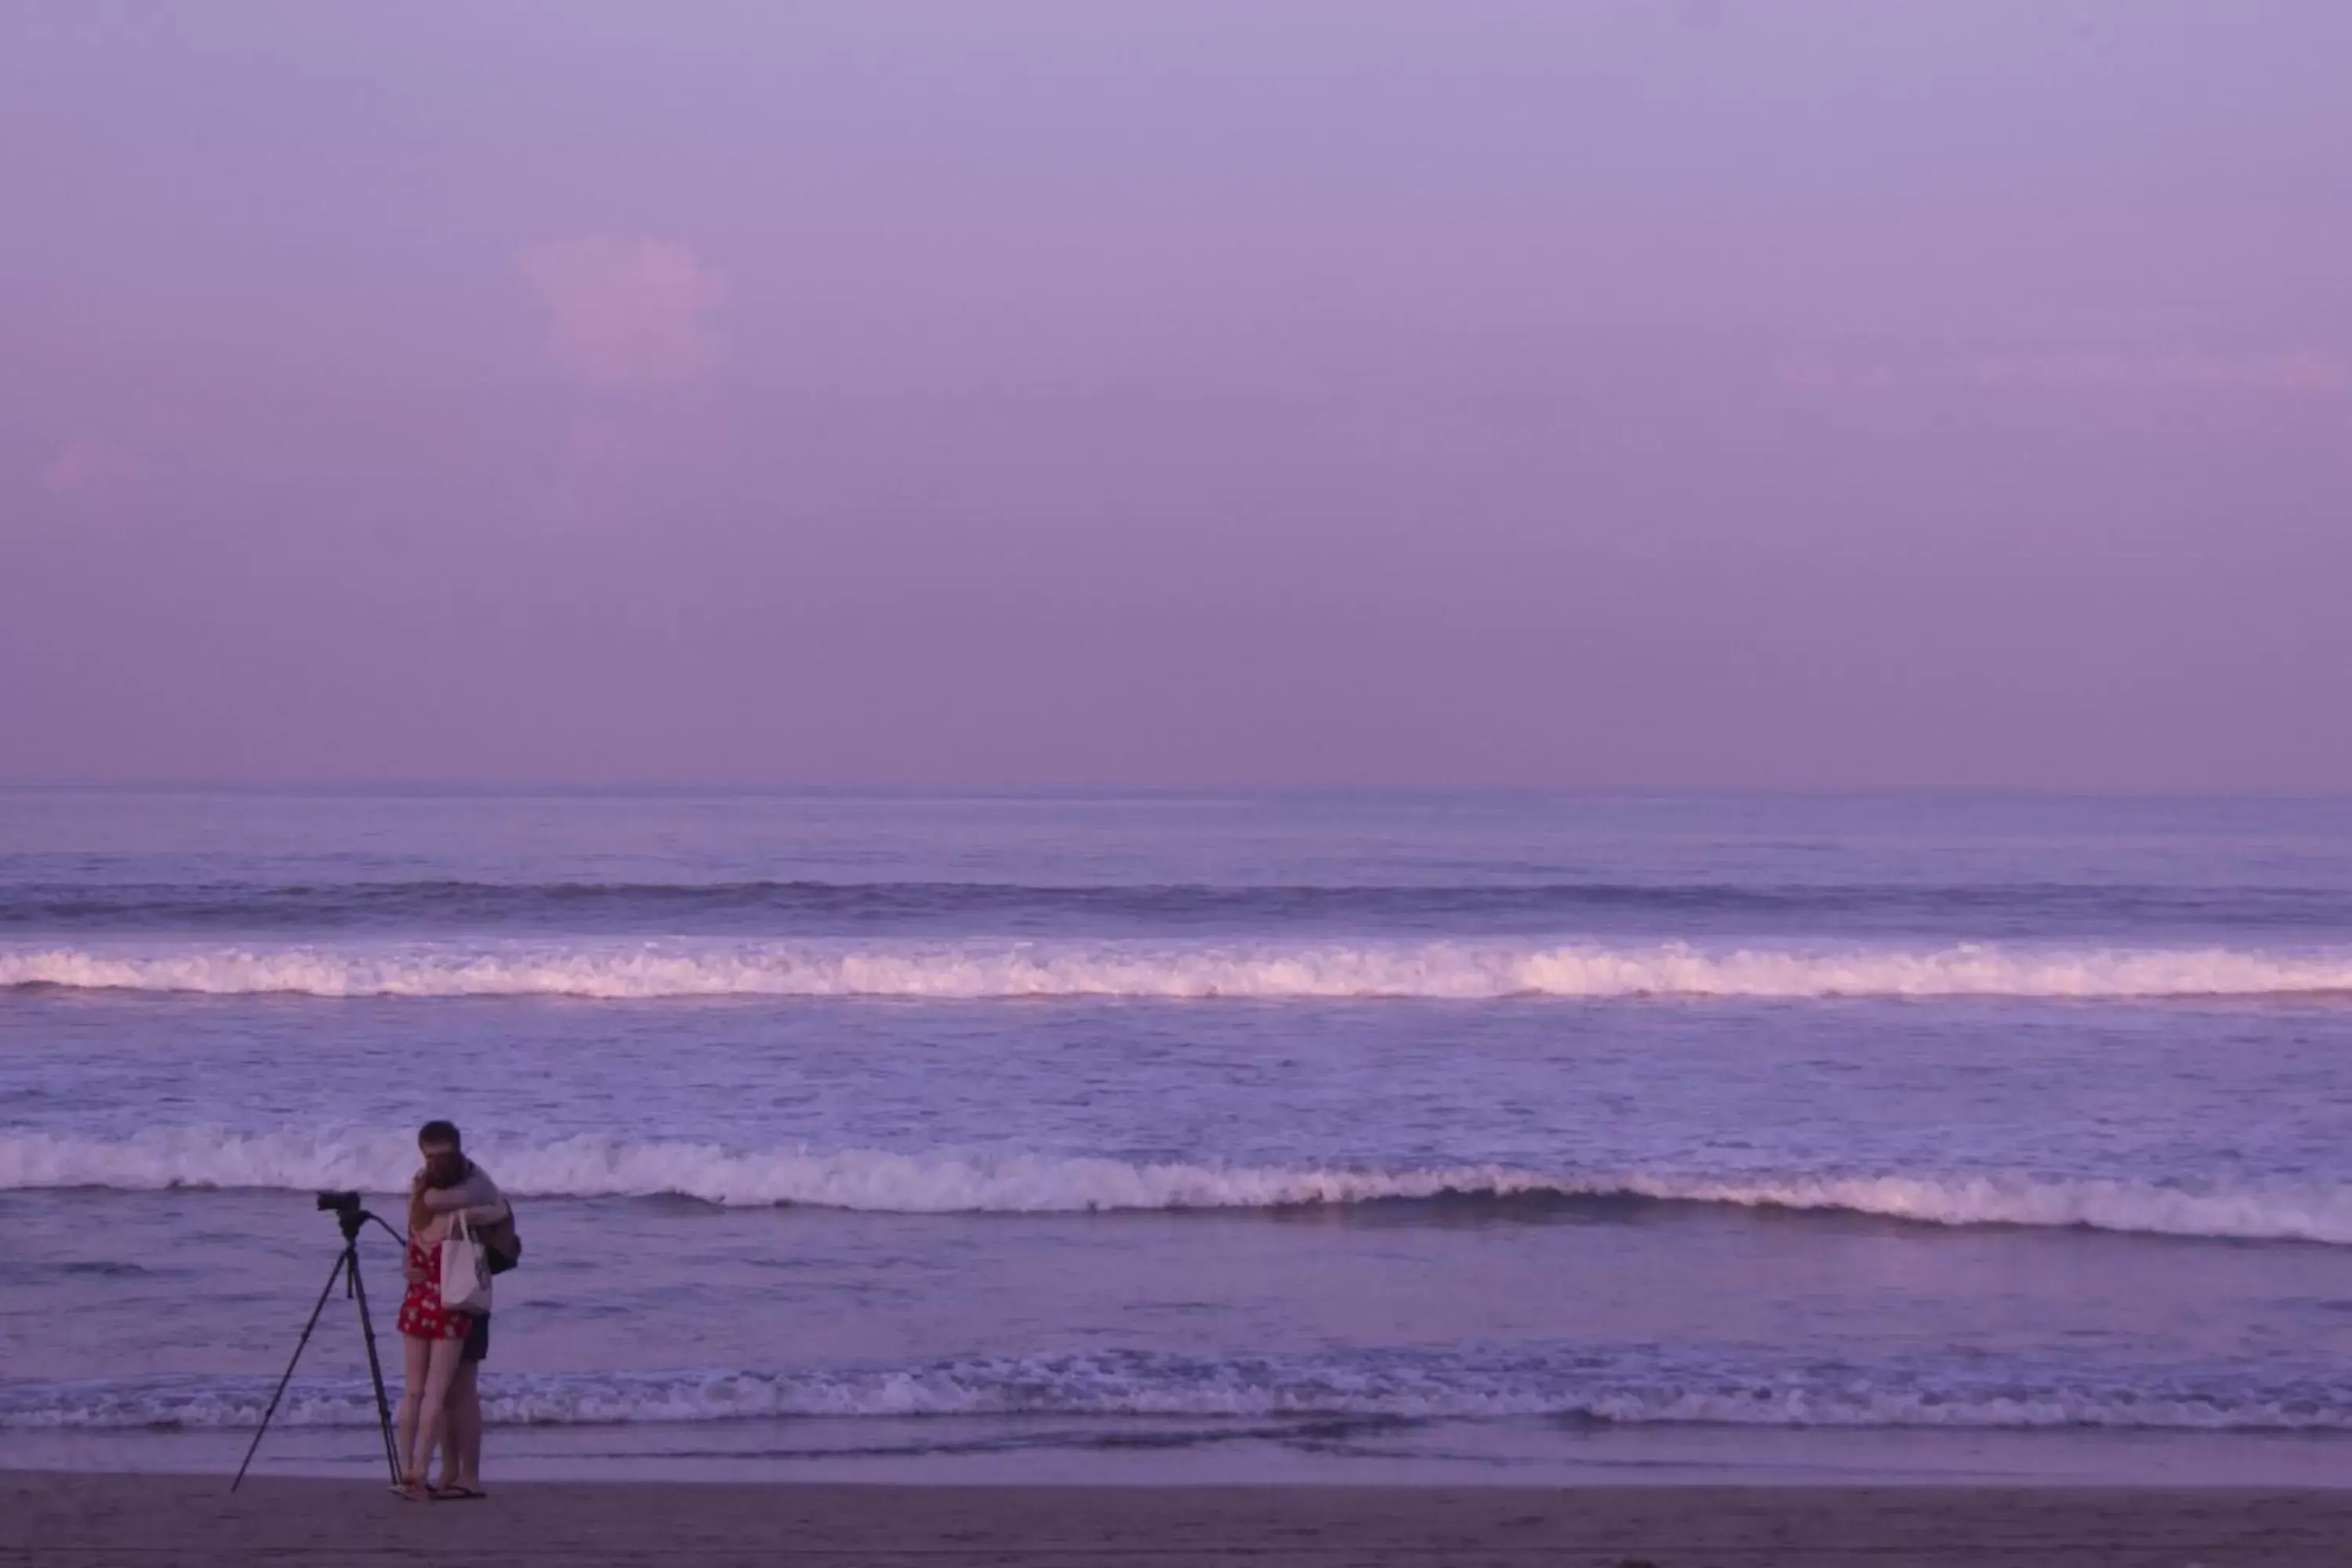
[[422, 1316]]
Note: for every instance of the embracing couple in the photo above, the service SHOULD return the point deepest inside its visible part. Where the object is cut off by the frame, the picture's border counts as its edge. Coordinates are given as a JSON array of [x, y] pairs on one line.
[[444, 1337]]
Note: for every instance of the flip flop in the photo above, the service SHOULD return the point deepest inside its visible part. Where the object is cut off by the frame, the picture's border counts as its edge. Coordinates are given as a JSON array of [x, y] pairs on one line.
[[457, 1494]]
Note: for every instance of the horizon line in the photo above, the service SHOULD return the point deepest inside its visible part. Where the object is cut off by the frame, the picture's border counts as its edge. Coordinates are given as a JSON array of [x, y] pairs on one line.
[[458, 788]]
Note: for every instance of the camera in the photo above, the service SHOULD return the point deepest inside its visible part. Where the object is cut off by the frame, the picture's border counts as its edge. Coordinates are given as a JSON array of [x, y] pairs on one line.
[[338, 1203]]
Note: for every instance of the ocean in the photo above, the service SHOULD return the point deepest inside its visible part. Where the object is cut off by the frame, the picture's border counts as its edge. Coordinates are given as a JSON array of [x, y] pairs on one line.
[[1070, 1135]]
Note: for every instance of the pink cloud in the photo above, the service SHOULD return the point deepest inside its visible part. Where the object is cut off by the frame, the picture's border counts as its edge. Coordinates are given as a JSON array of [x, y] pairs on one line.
[[2306, 372], [627, 312], [84, 465], [2298, 370], [2292, 370]]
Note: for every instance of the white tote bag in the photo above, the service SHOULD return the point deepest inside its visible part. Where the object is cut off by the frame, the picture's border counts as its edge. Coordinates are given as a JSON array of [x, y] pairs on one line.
[[464, 1270]]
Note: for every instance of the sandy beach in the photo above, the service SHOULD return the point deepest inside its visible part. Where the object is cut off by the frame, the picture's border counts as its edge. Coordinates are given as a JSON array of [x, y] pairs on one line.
[[83, 1518]]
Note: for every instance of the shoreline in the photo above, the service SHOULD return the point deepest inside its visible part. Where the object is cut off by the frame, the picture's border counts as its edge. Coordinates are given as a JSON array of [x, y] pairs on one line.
[[58, 1517], [1028, 1452]]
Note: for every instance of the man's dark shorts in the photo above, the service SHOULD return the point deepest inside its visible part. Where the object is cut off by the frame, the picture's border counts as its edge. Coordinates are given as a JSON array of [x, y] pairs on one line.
[[477, 1337]]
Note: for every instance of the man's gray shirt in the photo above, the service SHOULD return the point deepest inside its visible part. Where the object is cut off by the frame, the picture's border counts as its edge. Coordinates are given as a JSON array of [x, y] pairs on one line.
[[486, 1209]]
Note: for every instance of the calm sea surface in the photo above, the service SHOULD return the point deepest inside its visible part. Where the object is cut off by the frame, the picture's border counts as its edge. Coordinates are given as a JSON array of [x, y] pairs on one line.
[[992, 1133]]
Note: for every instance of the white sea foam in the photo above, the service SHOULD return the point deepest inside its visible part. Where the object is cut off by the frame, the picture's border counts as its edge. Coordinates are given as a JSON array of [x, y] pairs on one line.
[[1260, 1388], [953, 1183], [1245, 969]]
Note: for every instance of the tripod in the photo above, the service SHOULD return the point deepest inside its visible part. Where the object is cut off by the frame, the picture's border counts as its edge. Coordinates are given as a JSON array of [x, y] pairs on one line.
[[353, 1218]]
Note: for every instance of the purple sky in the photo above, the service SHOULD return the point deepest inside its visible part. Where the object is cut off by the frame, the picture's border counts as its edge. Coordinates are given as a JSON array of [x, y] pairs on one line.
[[1584, 392]]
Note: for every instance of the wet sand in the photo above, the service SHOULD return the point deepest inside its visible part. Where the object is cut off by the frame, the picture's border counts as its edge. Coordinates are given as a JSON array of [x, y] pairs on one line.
[[54, 1518]]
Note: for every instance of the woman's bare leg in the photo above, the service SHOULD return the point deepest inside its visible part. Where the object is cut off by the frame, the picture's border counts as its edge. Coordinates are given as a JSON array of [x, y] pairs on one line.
[[432, 1408], [417, 1356]]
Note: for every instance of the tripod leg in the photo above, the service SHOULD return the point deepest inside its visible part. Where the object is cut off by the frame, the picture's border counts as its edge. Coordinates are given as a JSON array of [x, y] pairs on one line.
[[332, 1275], [376, 1370]]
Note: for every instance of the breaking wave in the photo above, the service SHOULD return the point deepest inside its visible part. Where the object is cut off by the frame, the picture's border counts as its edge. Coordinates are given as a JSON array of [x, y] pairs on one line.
[[1584, 1388], [879, 1181], [968, 970]]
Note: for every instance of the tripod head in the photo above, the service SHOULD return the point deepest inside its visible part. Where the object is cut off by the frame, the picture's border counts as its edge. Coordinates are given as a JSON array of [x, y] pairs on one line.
[[351, 1217]]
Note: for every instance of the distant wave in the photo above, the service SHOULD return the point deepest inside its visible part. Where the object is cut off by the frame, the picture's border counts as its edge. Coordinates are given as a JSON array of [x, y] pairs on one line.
[[788, 907], [1180, 970], [1389, 1387], [884, 1181]]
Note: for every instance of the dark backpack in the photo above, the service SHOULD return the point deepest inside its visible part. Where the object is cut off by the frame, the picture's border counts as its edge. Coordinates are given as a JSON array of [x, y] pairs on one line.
[[502, 1243]]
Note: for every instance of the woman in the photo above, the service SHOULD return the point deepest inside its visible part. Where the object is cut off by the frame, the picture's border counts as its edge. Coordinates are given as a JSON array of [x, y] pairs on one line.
[[432, 1337]]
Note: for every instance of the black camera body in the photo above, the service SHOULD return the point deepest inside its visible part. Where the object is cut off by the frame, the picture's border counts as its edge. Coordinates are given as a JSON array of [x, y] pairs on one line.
[[338, 1203]]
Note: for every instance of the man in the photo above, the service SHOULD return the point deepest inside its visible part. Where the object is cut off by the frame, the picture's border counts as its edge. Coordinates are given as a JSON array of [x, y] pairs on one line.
[[455, 1184]]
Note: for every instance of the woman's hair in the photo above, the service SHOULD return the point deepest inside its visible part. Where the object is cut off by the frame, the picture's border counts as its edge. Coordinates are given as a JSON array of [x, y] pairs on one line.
[[419, 1217]]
